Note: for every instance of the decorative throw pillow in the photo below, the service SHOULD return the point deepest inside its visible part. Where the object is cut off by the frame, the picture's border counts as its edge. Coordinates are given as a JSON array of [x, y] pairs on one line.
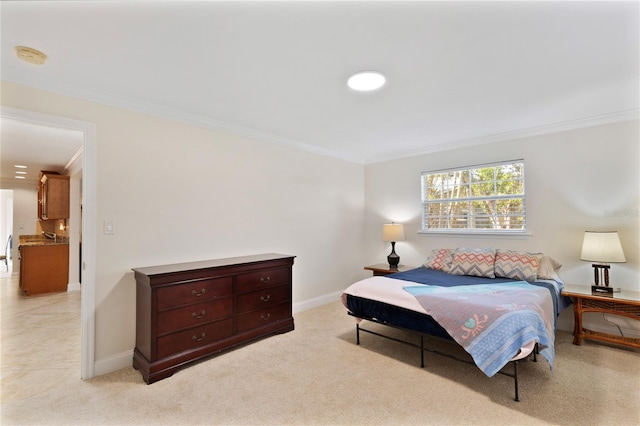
[[548, 269], [517, 265], [471, 261], [439, 259]]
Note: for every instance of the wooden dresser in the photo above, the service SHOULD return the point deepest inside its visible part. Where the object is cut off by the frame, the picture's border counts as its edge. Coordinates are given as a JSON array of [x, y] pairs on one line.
[[188, 311]]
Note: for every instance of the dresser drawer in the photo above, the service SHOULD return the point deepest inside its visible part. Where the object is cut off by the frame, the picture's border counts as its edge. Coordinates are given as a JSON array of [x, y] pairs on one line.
[[194, 338], [263, 298], [263, 278], [262, 317], [193, 292], [192, 315]]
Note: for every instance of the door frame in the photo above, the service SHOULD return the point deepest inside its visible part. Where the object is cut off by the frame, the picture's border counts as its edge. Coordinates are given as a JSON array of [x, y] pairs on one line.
[[89, 230]]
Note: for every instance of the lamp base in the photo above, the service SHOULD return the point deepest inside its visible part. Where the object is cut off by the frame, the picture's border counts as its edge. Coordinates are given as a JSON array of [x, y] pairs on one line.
[[601, 274], [393, 258], [601, 290]]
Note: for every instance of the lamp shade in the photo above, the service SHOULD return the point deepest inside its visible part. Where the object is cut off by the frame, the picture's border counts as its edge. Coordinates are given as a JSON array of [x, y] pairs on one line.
[[603, 247], [393, 232]]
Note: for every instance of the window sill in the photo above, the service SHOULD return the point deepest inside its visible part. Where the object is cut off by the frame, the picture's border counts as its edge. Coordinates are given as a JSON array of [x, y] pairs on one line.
[[516, 235]]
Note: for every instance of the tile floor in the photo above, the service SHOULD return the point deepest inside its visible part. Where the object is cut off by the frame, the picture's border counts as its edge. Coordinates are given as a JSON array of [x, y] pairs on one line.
[[39, 338]]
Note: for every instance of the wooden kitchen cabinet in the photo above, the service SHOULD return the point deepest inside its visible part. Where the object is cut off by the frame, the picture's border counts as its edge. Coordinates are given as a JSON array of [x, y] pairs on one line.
[[189, 311], [53, 196], [44, 268]]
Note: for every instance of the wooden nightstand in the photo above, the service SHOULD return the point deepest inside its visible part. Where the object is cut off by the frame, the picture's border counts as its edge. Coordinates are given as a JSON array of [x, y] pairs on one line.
[[382, 269], [625, 303]]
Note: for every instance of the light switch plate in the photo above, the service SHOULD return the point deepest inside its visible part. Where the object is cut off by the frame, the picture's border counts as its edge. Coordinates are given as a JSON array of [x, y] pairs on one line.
[[108, 227]]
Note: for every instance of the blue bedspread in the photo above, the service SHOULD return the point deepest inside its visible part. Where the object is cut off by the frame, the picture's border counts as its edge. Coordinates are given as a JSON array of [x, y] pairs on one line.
[[492, 321], [443, 279]]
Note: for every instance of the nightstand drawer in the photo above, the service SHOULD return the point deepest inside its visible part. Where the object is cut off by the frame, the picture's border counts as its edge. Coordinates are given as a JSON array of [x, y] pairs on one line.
[[263, 278], [194, 292], [192, 315]]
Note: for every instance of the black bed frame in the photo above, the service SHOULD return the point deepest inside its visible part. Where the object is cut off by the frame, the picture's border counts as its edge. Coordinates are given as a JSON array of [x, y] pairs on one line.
[[422, 348]]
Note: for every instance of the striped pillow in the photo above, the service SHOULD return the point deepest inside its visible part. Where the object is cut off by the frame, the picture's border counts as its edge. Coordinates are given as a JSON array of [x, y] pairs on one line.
[[517, 265], [476, 262], [439, 259]]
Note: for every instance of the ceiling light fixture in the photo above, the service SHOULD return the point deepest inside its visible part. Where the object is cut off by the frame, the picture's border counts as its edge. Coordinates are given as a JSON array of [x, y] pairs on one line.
[[31, 55], [19, 166], [366, 81]]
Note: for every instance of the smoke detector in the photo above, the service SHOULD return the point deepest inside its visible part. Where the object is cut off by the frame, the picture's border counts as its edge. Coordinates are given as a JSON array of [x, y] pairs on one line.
[[30, 55]]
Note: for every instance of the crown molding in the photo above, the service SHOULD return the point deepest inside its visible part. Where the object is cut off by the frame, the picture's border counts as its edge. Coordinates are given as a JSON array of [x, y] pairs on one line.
[[62, 88], [628, 115]]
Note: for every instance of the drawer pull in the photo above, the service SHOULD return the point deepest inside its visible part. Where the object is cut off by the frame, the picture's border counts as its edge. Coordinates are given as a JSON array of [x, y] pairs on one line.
[[195, 293], [265, 279], [196, 316], [265, 317], [265, 298], [197, 339]]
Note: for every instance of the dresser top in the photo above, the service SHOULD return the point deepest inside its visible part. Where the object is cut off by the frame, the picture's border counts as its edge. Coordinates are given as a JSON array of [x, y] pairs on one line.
[[213, 263]]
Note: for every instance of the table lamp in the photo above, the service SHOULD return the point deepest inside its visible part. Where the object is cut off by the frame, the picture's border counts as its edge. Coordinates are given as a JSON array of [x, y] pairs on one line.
[[602, 248], [392, 232]]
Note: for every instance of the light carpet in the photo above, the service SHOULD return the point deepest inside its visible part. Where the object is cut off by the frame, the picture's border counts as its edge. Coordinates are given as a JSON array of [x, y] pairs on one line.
[[315, 374]]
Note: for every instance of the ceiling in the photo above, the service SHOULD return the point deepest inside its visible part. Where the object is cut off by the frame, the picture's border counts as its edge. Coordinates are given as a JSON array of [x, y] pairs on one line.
[[36, 146], [458, 73]]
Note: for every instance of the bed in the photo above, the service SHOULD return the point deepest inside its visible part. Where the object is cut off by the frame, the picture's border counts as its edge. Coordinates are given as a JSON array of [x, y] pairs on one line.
[[501, 306]]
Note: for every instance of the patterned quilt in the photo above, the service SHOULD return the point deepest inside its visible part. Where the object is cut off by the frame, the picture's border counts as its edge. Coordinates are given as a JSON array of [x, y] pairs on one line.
[[492, 322]]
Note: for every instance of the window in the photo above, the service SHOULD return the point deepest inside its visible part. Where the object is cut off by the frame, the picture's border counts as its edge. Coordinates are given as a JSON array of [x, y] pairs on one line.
[[483, 198]]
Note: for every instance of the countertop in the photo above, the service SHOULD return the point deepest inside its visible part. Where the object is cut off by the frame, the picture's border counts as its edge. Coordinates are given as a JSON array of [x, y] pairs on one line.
[[41, 240]]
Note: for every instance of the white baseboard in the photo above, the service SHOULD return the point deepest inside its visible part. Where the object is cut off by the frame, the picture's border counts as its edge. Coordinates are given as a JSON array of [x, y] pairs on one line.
[[565, 322], [315, 302], [113, 363], [73, 287]]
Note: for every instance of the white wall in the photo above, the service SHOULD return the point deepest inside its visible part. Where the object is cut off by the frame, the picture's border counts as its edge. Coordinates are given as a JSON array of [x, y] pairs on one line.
[[587, 179], [177, 193]]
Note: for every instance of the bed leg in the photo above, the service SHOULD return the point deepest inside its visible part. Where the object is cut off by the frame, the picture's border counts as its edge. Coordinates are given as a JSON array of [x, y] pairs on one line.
[[357, 334], [536, 351], [421, 351], [515, 379]]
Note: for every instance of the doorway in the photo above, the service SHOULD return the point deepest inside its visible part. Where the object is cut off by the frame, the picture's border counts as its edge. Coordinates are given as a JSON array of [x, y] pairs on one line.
[[88, 224]]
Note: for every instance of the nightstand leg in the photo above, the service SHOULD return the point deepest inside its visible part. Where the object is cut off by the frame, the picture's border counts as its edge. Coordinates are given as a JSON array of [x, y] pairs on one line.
[[577, 319]]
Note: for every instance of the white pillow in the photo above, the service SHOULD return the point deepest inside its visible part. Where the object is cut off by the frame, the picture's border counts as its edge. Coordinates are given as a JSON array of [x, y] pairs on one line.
[[548, 269]]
